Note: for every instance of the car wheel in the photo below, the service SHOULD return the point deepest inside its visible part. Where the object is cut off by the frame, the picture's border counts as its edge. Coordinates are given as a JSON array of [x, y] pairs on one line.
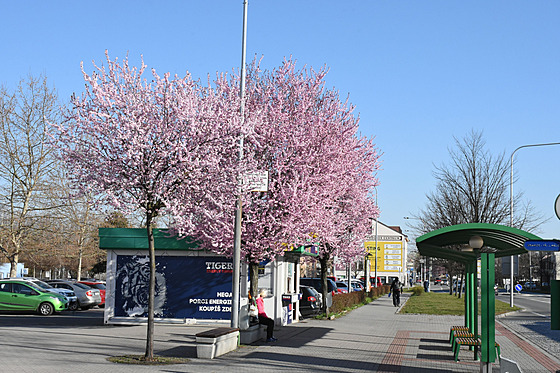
[[73, 307], [46, 309]]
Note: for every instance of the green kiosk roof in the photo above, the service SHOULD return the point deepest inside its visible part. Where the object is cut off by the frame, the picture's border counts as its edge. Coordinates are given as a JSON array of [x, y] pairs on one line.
[[137, 238], [445, 242]]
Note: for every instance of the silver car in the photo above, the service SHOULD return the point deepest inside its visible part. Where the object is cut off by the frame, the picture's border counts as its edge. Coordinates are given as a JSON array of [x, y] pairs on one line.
[[87, 296]]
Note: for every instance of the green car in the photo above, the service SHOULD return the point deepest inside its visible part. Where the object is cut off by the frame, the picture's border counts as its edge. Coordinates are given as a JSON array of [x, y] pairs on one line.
[[18, 295]]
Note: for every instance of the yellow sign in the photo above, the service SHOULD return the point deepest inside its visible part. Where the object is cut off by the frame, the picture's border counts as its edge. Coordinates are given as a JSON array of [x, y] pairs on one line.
[[389, 255]]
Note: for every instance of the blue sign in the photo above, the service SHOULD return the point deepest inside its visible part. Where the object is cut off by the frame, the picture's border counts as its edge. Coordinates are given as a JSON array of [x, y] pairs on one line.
[[518, 287], [544, 245], [186, 287]]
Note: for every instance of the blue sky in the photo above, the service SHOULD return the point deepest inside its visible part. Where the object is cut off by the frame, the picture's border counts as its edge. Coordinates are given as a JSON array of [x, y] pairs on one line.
[[419, 72]]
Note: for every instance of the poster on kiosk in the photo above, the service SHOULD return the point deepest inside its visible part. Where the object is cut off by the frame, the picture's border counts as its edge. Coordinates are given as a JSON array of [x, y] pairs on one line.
[[186, 287]]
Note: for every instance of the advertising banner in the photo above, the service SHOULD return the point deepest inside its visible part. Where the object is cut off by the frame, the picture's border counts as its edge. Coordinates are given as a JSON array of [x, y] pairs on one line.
[[186, 287]]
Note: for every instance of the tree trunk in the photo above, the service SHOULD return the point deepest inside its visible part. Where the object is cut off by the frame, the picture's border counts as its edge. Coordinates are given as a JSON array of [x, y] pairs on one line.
[[14, 259], [460, 288], [324, 261], [80, 255], [152, 286], [254, 283]]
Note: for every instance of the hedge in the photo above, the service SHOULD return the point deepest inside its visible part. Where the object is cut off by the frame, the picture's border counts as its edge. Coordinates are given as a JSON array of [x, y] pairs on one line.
[[344, 301]]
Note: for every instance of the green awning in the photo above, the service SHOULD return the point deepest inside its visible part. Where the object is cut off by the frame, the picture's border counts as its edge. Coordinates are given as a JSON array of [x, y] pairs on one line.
[[446, 243]]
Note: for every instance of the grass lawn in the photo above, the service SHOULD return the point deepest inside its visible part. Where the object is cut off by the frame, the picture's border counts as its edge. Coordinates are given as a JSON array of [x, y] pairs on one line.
[[445, 304]]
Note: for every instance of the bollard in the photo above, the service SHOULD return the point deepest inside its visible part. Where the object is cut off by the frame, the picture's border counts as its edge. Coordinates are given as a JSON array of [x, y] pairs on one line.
[[555, 304]]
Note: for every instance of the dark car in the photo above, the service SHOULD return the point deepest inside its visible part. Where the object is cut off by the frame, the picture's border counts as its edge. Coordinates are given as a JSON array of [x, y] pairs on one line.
[[310, 303], [316, 283]]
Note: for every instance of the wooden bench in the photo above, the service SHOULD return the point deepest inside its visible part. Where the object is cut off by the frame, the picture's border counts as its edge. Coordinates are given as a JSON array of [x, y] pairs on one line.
[[215, 342], [454, 329], [473, 341], [460, 334]]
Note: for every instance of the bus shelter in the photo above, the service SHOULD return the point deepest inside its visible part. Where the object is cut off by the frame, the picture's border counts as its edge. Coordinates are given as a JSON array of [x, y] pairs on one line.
[[466, 243]]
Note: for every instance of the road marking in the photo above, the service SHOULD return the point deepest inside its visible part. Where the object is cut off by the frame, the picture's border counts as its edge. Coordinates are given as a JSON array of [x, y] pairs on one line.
[[541, 315]]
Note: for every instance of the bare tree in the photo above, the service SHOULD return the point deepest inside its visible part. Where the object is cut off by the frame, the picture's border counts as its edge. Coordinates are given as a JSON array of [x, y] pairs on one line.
[[473, 188], [26, 161]]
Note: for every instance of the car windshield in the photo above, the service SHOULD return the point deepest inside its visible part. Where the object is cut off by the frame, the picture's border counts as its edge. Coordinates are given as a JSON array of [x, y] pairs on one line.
[[42, 284], [82, 286], [98, 286], [36, 287]]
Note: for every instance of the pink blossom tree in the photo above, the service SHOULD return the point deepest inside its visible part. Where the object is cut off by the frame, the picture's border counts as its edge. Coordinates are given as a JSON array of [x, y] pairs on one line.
[[321, 172], [150, 145]]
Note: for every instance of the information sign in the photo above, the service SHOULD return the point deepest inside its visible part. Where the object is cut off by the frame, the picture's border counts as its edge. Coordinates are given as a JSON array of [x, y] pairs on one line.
[[544, 245]]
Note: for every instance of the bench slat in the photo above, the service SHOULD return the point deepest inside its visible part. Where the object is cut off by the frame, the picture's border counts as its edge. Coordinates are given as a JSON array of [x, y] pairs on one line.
[[217, 332]]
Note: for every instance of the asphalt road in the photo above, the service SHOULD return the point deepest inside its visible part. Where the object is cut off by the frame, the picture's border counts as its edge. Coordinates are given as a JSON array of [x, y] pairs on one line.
[[535, 303], [89, 319]]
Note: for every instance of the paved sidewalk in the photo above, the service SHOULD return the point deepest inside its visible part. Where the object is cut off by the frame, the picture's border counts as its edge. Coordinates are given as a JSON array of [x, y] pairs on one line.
[[372, 338]]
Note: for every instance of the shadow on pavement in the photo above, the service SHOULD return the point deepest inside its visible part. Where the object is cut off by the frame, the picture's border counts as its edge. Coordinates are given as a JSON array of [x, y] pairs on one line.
[[307, 362], [89, 319], [543, 328], [188, 351]]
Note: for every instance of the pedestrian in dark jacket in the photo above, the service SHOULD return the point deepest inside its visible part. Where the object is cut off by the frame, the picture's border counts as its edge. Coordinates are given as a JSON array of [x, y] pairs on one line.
[[396, 290]]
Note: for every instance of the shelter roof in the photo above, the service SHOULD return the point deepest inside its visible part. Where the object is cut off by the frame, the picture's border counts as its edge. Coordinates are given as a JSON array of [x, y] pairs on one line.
[[447, 242]]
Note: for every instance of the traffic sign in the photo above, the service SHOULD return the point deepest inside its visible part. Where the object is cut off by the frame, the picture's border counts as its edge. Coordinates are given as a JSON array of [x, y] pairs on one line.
[[518, 287], [543, 245]]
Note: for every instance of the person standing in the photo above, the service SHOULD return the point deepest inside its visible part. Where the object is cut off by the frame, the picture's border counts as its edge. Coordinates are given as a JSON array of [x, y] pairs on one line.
[[263, 318], [396, 290]]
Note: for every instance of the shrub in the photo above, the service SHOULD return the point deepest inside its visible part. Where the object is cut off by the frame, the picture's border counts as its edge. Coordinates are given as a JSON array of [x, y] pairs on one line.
[[345, 301], [417, 290]]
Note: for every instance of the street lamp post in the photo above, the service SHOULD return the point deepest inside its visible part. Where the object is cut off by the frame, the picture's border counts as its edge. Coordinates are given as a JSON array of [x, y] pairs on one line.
[[375, 244], [511, 209], [376, 204], [235, 293]]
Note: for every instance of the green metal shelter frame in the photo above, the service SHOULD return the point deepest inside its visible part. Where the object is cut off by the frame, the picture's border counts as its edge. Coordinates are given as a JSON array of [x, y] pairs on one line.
[[497, 241]]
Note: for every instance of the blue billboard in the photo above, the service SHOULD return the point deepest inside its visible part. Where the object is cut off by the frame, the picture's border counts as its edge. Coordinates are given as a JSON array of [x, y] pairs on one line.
[[186, 287]]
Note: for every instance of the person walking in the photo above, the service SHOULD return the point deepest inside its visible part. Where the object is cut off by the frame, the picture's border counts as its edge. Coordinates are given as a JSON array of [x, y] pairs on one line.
[[263, 318], [396, 290]]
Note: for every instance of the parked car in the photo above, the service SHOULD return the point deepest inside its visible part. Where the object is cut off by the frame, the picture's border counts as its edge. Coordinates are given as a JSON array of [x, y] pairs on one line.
[[87, 296], [342, 287], [310, 303], [357, 285], [316, 283], [21, 295], [530, 285], [97, 285], [69, 294]]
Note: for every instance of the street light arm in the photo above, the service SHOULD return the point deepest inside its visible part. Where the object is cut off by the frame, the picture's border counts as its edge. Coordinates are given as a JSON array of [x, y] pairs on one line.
[[511, 175], [511, 210]]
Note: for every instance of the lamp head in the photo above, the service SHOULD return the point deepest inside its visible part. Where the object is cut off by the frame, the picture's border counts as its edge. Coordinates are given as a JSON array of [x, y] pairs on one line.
[[476, 242]]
